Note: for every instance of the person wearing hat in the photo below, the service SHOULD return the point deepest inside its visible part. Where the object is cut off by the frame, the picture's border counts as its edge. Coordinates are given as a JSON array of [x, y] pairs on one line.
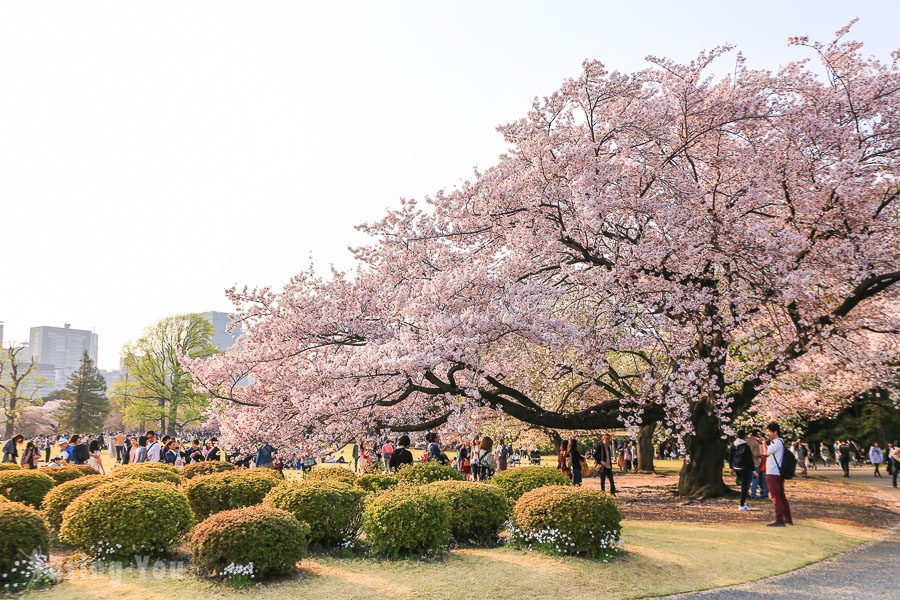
[[63, 444]]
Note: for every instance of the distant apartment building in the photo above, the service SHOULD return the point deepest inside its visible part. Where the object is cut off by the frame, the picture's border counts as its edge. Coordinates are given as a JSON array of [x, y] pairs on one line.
[[58, 350], [221, 338]]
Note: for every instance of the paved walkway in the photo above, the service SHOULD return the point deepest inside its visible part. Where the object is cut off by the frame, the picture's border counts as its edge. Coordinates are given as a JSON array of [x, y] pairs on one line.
[[866, 573], [869, 572]]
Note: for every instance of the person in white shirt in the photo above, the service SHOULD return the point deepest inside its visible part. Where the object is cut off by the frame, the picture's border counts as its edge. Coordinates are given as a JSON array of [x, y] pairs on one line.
[[876, 458], [774, 480], [152, 447]]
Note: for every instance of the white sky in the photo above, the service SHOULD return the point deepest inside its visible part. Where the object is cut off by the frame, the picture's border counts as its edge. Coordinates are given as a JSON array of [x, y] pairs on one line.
[[154, 153]]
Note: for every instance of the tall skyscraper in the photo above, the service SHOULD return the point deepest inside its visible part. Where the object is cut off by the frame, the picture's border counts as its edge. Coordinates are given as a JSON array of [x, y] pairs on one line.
[[59, 349], [221, 338]]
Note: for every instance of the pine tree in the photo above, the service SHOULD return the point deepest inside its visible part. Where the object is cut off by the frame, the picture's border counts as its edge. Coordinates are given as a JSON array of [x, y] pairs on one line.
[[85, 405]]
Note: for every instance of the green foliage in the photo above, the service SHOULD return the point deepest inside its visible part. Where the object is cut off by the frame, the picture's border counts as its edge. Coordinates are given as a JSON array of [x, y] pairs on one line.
[[333, 510], [377, 482], [515, 482], [85, 405], [421, 473], [127, 517], [156, 472], [477, 510], [216, 492], [568, 520], [22, 532], [26, 486], [407, 522], [340, 474], [206, 468], [157, 387], [57, 499], [10, 467], [270, 538], [64, 473]]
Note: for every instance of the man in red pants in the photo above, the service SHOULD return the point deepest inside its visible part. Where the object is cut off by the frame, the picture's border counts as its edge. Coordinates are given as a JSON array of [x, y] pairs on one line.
[[774, 459]]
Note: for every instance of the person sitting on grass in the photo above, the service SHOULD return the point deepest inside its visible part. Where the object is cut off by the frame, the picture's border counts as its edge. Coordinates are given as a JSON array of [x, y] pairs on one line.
[[401, 455]]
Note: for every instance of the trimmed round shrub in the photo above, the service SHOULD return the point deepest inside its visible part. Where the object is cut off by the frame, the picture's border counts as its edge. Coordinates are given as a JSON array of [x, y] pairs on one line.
[[478, 511], [209, 494], [10, 467], [407, 522], [27, 486], [23, 532], [57, 499], [332, 474], [421, 473], [148, 472], [64, 473], [568, 520], [270, 538], [206, 468], [516, 482], [126, 517], [333, 510], [376, 483]]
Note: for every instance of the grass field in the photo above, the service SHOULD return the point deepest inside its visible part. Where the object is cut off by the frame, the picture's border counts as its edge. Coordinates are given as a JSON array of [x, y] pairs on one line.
[[662, 558]]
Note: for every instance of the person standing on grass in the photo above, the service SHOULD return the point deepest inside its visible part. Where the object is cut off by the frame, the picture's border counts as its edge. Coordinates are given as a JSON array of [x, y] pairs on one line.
[[387, 449], [30, 456], [774, 459], [575, 459], [401, 455], [11, 448], [603, 454], [740, 457], [888, 453], [876, 458], [843, 455], [759, 473], [95, 459], [153, 448], [895, 459]]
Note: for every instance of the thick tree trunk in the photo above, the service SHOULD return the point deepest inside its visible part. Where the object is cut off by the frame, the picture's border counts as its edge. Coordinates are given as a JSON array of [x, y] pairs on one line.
[[701, 474], [555, 440], [645, 448], [10, 418]]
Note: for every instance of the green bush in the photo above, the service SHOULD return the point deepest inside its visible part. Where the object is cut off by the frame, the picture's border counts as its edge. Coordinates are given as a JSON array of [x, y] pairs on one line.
[[270, 538], [332, 474], [407, 521], [126, 517], [216, 492], [25, 485], [376, 483], [57, 499], [568, 520], [9, 467], [64, 473], [333, 510], [477, 510], [206, 468], [23, 532], [155, 472], [515, 482], [426, 472]]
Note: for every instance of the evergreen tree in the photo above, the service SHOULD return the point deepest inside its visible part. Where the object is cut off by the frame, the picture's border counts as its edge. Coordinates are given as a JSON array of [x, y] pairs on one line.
[[85, 405]]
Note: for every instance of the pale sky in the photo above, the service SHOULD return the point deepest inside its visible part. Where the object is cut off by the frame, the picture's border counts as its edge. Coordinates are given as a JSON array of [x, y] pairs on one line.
[[153, 154]]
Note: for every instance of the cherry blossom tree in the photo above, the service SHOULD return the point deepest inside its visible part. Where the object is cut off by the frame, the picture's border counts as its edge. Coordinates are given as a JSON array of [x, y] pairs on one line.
[[662, 246]]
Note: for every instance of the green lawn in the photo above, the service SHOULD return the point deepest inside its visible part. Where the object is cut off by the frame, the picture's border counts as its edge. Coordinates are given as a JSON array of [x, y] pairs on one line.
[[662, 558]]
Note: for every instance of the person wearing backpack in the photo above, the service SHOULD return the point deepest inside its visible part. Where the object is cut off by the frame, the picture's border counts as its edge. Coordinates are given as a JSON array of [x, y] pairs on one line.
[[740, 457], [778, 468]]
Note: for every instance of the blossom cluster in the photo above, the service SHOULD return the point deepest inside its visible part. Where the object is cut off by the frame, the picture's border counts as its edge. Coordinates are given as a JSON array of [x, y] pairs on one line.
[[551, 540], [29, 573]]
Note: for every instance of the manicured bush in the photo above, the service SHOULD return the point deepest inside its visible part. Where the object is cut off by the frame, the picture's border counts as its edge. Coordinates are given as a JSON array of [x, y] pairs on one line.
[[269, 538], [155, 472], [568, 520], [126, 517], [376, 483], [64, 473], [25, 485], [206, 468], [421, 473], [477, 510], [216, 492], [57, 499], [407, 522], [515, 482], [9, 467], [23, 532], [333, 510], [332, 474]]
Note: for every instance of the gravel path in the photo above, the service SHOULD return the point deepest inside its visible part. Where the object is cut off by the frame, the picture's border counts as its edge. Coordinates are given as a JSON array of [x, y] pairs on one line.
[[866, 573]]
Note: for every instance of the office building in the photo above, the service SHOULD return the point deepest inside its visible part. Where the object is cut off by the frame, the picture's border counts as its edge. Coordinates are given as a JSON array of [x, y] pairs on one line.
[[221, 338]]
